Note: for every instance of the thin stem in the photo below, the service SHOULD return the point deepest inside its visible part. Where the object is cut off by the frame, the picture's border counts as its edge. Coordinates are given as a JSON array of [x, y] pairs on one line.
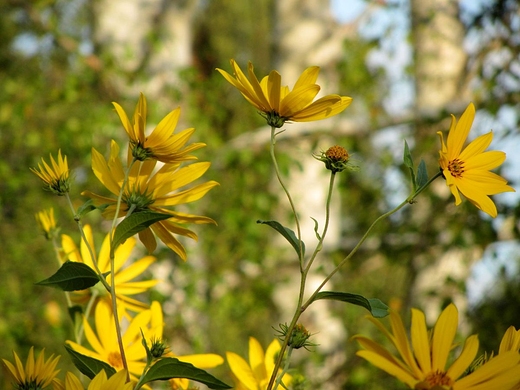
[[112, 272], [285, 368], [293, 208], [319, 247], [304, 271], [408, 200]]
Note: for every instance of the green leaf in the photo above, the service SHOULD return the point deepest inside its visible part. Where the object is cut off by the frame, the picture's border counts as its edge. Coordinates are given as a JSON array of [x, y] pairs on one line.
[[168, 368], [87, 207], [377, 308], [134, 224], [408, 161], [422, 174], [288, 234], [72, 276], [89, 366]]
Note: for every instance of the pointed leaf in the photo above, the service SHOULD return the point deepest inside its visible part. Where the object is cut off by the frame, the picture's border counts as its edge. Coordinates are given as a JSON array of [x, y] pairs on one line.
[[408, 161], [89, 366], [87, 207], [288, 234], [422, 174], [377, 308], [72, 276], [134, 224], [168, 368]]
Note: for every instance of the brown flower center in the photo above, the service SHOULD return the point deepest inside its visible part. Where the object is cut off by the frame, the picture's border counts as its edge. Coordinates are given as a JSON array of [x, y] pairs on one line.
[[337, 153], [437, 380], [115, 360], [456, 167]]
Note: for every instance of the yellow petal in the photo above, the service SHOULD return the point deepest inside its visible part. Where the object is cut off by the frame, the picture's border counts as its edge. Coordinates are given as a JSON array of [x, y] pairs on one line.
[[257, 359], [273, 89], [207, 360], [169, 240], [308, 77], [241, 370], [187, 196], [485, 161], [125, 121], [443, 335], [297, 100], [164, 129], [148, 239], [501, 372], [459, 132], [465, 359], [259, 92], [323, 108], [420, 340], [104, 173], [476, 147], [402, 344], [389, 367]]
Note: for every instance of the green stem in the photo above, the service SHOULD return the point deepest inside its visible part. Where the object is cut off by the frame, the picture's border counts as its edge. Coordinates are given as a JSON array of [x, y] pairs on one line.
[[304, 272], [285, 368], [112, 272], [408, 200], [293, 208]]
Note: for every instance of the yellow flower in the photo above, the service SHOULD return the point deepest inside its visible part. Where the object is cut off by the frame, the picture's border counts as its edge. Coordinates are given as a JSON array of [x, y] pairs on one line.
[[510, 340], [37, 374], [278, 104], [104, 339], [150, 322], [162, 144], [423, 364], [150, 190], [124, 274], [467, 170], [55, 177], [255, 375], [99, 382], [47, 223]]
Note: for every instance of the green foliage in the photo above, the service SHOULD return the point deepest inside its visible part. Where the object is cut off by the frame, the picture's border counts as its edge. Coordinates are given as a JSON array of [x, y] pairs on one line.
[[89, 366], [72, 276], [135, 223], [288, 234], [168, 368], [377, 308]]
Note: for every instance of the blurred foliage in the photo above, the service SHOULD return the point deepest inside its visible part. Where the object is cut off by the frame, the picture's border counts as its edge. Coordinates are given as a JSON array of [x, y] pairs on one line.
[[55, 94]]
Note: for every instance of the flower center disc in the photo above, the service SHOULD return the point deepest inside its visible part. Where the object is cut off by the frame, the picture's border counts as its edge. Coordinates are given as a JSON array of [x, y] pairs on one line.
[[456, 167]]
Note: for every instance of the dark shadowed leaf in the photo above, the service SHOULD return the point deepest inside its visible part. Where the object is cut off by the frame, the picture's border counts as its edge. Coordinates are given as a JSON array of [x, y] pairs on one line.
[[72, 276], [89, 366], [134, 224]]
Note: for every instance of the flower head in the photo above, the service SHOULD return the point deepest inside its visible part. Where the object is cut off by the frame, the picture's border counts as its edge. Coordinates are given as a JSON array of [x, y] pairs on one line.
[[103, 339], [278, 104], [47, 223], [468, 170], [124, 273], [256, 373], [152, 190], [99, 382], [55, 176], [37, 374], [336, 159], [423, 364], [162, 144]]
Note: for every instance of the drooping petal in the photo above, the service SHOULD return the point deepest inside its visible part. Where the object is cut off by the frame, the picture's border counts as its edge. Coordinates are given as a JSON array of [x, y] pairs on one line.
[[389, 367]]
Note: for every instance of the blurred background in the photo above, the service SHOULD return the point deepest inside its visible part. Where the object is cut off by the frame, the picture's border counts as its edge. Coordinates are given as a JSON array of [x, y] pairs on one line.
[[407, 64]]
